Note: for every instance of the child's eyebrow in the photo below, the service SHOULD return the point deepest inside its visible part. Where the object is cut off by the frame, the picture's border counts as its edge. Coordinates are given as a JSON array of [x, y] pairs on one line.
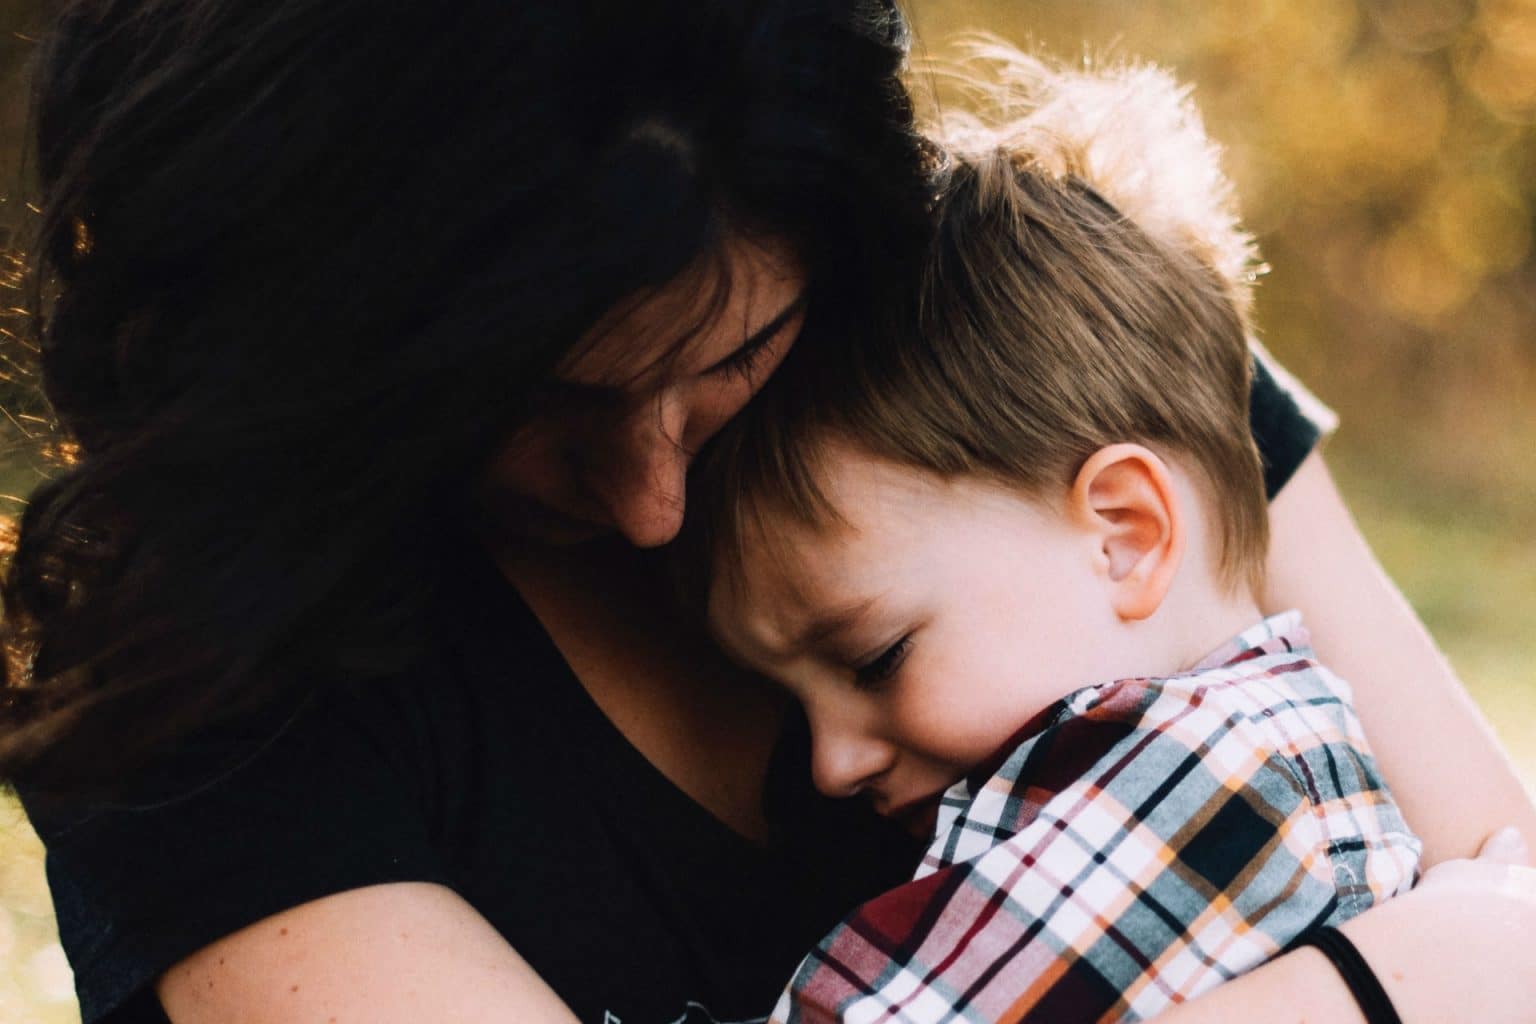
[[835, 621]]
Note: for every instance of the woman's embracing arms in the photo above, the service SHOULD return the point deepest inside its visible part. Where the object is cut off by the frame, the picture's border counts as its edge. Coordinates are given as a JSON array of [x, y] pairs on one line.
[[1445, 768], [388, 954], [1457, 948]]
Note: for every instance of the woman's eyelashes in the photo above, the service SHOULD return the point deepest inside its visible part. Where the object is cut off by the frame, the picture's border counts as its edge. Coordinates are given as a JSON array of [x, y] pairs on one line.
[[884, 665], [744, 362]]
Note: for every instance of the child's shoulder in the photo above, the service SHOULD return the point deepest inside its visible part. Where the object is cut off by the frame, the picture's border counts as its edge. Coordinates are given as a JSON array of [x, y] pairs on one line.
[[1263, 718], [1267, 679]]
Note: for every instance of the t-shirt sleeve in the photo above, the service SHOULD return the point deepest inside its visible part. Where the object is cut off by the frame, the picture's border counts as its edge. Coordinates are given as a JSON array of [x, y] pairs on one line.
[[1287, 420], [241, 824]]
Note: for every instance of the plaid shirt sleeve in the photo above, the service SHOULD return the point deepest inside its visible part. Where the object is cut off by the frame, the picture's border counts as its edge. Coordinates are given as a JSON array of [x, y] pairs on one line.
[[1153, 839]]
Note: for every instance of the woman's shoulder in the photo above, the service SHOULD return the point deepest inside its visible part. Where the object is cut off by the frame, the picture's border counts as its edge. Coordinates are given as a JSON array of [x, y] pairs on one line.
[[357, 785], [485, 770], [1287, 420]]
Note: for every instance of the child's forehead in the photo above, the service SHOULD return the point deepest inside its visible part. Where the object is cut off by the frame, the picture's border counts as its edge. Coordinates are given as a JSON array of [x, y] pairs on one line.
[[869, 503], [785, 568], [872, 501], [779, 560], [882, 517], [860, 485]]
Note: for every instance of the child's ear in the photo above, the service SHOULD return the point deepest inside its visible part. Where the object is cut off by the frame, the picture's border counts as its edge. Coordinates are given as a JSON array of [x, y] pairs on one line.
[[1126, 496]]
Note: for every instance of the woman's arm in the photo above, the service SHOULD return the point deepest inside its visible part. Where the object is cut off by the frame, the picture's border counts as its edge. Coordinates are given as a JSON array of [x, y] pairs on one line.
[[413, 952], [1445, 768], [1458, 948], [1416, 945]]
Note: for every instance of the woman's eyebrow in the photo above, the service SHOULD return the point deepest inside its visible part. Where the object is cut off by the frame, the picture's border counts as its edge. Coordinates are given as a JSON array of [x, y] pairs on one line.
[[584, 391], [762, 335]]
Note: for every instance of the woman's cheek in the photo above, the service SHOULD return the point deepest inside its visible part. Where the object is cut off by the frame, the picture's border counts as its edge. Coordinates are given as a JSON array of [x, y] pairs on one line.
[[715, 402], [709, 410], [526, 465]]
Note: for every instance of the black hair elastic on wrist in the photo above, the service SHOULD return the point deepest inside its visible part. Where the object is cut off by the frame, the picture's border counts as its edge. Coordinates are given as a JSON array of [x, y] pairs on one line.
[[1369, 995]]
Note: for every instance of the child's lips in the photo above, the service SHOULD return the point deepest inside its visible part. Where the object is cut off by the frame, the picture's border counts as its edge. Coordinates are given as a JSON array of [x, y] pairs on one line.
[[917, 816]]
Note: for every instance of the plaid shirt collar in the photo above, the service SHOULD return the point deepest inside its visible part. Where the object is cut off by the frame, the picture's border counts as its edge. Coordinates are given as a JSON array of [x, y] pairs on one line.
[[1280, 632]]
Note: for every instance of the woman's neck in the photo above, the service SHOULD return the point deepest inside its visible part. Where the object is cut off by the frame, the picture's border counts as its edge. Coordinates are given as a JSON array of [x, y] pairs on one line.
[[706, 725]]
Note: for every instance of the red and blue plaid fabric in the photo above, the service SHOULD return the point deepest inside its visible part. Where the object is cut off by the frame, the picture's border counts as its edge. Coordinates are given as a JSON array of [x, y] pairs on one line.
[[1140, 843]]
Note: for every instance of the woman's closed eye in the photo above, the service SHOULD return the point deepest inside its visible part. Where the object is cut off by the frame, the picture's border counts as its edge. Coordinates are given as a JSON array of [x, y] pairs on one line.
[[744, 362], [884, 665]]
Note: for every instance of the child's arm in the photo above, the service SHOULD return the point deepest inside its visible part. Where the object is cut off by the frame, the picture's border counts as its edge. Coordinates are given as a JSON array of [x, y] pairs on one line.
[[1446, 770]]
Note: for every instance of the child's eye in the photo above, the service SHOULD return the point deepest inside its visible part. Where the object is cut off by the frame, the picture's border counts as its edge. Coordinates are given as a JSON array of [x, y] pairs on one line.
[[884, 664]]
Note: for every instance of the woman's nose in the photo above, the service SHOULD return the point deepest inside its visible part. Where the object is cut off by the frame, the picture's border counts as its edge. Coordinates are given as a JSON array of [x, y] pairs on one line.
[[643, 487], [845, 761]]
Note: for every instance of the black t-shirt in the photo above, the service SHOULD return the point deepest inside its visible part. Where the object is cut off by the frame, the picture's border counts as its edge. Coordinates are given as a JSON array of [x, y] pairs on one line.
[[491, 771]]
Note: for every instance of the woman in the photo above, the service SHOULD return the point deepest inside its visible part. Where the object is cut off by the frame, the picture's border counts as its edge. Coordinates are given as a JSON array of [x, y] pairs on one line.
[[363, 313]]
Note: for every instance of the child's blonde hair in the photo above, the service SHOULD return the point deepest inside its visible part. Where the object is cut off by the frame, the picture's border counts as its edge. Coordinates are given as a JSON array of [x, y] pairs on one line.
[[1086, 285]]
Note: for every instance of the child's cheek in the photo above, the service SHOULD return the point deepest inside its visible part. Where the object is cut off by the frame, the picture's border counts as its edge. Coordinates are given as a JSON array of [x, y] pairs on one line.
[[954, 720]]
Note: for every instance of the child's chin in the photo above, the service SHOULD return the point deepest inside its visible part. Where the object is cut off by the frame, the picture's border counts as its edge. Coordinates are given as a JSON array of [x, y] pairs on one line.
[[919, 819]]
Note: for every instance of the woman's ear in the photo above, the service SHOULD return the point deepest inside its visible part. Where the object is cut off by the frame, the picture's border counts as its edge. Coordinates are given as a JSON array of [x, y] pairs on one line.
[[1126, 496]]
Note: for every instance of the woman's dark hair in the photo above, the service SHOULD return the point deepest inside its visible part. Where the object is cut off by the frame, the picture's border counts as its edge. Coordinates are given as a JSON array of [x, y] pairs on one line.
[[302, 264]]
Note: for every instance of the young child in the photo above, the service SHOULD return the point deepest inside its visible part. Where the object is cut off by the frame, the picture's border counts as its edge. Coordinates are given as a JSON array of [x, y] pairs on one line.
[[1009, 564]]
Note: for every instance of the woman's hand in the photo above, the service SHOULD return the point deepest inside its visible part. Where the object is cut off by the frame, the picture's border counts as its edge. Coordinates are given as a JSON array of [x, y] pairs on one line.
[[1462, 945], [1459, 947], [1498, 866]]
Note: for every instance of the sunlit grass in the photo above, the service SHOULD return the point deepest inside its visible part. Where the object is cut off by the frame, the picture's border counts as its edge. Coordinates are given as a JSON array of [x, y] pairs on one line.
[[35, 982]]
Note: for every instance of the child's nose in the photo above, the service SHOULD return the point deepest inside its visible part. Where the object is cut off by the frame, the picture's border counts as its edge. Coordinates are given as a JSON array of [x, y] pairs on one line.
[[845, 762]]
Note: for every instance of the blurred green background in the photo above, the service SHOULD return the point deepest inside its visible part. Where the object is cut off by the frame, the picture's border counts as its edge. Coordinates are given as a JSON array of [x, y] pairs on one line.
[[1385, 154]]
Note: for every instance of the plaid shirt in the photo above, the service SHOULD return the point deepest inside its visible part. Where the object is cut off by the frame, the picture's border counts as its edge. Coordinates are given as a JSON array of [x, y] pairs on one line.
[[1143, 841]]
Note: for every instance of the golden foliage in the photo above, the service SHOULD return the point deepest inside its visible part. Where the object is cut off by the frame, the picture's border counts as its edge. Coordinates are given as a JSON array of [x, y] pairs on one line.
[[1385, 154]]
